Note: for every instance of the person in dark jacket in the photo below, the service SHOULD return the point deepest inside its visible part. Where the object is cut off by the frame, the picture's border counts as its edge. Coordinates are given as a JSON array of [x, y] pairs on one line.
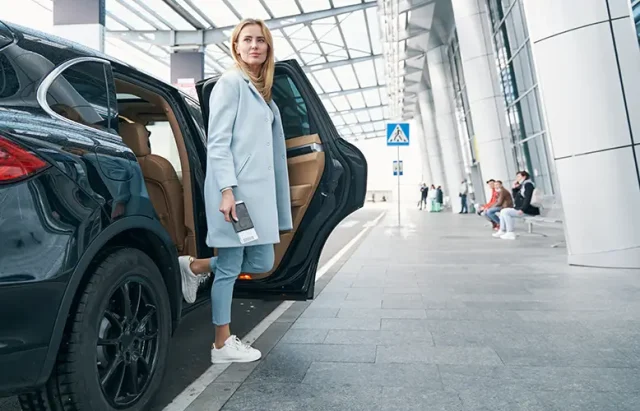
[[522, 193], [439, 198], [424, 192]]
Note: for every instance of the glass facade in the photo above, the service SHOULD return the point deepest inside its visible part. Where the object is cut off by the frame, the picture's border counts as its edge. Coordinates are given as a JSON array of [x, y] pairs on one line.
[[462, 112], [635, 5], [523, 109]]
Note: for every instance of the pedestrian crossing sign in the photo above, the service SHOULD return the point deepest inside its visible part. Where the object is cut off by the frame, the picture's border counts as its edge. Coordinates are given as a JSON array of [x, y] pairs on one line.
[[397, 134]]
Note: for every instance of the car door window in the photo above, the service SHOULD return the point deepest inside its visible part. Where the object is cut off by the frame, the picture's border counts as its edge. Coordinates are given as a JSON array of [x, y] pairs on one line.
[[84, 93], [293, 109], [196, 114], [9, 84]]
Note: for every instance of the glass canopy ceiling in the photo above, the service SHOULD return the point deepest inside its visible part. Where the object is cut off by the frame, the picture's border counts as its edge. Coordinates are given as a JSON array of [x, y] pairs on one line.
[[339, 43]]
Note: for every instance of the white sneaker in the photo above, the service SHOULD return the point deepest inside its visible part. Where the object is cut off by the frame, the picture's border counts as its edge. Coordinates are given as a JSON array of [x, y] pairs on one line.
[[508, 236], [190, 281], [498, 234], [234, 350]]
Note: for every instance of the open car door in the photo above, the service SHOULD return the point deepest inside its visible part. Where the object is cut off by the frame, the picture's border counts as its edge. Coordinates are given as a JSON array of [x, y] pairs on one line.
[[327, 179]]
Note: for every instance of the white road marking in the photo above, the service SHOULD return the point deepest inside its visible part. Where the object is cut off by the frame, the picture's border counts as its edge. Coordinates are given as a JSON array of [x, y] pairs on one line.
[[189, 394]]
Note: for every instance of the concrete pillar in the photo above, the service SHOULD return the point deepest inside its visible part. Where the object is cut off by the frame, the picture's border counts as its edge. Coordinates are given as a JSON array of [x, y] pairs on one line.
[[81, 21], [486, 101], [187, 66], [587, 59], [432, 143], [427, 177], [442, 89]]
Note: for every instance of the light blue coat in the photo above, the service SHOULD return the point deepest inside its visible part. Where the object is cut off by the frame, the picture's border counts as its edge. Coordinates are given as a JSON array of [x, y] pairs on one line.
[[246, 149]]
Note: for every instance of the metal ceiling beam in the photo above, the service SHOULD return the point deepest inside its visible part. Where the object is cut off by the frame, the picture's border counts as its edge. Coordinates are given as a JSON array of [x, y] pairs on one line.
[[203, 37], [357, 110], [364, 133], [407, 5], [340, 63], [410, 53], [182, 12], [348, 91], [363, 123], [134, 45], [142, 17], [152, 12], [412, 32], [200, 13]]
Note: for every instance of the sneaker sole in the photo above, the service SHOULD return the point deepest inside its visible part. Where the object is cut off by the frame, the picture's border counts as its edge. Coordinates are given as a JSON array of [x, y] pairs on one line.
[[227, 361], [185, 284]]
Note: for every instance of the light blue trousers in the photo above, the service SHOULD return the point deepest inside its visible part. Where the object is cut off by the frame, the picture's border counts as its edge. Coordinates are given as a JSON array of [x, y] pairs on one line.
[[226, 268]]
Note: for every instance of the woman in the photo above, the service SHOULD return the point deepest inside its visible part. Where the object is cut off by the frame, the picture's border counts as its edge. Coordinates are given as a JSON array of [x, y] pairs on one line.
[[522, 193], [246, 161], [433, 197]]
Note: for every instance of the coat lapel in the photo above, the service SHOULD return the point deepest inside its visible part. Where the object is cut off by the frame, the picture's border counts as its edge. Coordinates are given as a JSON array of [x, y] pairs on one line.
[[251, 86]]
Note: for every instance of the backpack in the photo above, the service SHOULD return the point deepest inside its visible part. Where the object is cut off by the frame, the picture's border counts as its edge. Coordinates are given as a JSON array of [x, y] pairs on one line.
[[536, 198]]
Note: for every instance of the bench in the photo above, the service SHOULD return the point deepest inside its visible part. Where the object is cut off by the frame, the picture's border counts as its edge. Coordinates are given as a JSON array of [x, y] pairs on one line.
[[550, 214]]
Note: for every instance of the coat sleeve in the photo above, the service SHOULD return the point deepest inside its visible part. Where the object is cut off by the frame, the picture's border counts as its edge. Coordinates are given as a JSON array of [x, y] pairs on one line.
[[223, 107]]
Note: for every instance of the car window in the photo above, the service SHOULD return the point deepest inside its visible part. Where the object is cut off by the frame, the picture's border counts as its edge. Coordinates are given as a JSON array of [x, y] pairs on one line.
[[293, 109], [9, 84], [84, 93], [196, 114], [163, 143]]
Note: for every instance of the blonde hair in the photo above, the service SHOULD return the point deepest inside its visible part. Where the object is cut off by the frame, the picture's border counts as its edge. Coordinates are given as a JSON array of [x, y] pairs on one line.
[[264, 81]]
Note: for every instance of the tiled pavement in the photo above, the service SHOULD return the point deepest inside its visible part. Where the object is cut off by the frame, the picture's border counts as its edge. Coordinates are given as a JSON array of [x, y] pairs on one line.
[[439, 315]]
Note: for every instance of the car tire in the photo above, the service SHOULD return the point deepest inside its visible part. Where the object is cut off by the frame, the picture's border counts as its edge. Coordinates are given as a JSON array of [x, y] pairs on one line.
[[106, 343]]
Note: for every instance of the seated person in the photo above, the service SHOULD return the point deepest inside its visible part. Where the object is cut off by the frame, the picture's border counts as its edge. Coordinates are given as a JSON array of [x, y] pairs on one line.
[[522, 193], [503, 200], [482, 210]]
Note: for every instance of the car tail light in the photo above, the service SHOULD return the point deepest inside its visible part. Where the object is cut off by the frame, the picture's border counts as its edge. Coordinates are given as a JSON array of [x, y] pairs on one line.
[[17, 163]]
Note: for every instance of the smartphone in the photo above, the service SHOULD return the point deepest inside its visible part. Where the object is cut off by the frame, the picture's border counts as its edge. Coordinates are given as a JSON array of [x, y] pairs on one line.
[[244, 226]]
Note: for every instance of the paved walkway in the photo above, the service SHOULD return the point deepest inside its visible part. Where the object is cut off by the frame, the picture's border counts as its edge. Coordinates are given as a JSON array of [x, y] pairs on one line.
[[439, 315]]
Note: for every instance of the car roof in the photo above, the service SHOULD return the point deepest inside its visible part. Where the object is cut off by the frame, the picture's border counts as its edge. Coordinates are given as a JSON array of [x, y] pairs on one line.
[[81, 50]]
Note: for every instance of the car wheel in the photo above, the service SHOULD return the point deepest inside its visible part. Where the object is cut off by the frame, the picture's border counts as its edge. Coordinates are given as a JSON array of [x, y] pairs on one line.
[[115, 348]]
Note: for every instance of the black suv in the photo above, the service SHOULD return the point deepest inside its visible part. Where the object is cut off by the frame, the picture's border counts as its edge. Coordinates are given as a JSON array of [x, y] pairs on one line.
[[101, 189]]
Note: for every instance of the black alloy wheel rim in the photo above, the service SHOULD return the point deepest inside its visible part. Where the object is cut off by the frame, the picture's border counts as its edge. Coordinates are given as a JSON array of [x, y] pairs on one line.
[[127, 346]]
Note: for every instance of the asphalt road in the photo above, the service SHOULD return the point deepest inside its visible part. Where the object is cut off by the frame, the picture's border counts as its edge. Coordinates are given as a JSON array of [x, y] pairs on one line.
[[189, 355]]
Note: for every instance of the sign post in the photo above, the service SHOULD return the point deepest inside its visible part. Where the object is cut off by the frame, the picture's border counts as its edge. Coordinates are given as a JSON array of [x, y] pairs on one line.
[[398, 135]]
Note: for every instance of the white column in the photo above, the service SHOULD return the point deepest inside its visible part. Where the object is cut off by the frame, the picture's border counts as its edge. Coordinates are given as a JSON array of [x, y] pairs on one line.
[[81, 21], [442, 89], [587, 59], [486, 101], [422, 145], [431, 139]]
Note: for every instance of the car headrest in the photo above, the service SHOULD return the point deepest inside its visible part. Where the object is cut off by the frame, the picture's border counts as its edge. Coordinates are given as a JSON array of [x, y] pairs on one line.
[[136, 136]]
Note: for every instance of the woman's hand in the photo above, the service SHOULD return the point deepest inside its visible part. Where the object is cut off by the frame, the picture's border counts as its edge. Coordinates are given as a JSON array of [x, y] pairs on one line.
[[228, 206]]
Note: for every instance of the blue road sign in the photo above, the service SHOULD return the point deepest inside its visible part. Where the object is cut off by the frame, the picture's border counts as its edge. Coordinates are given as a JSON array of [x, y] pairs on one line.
[[398, 168], [397, 134]]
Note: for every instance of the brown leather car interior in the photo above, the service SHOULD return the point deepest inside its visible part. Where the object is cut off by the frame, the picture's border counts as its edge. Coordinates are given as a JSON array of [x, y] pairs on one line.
[[155, 108], [305, 173], [165, 190]]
